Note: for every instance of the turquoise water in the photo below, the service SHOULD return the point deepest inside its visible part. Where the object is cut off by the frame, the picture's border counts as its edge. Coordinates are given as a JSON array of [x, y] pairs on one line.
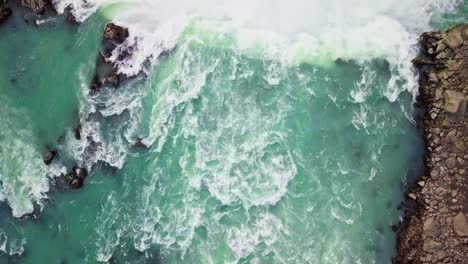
[[262, 150]]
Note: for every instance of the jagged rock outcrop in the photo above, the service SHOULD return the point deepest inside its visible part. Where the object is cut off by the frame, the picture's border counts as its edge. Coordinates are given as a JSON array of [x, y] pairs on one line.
[[106, 71], [437, 230]]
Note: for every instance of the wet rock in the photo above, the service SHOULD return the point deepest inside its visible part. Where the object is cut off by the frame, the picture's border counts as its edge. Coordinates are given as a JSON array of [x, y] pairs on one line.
[[114, 33], [5, 13], [76, 183], [78, 132], [419, 61], [106, 70], [67, 13], [460, 225], [76, 177], [82, 173], [431, 228], [455, 106], [49, 157]]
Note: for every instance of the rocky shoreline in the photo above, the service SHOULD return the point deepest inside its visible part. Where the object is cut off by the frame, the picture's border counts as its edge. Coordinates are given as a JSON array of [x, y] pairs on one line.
[[435, 227]]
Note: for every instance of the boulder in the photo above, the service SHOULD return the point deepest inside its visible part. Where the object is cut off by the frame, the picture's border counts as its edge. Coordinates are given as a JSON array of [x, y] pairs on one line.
[[455, 106], [451, 163], [431, 228], [432, 246], [5, 13], [460, 225], [453, 39], [49, 157]]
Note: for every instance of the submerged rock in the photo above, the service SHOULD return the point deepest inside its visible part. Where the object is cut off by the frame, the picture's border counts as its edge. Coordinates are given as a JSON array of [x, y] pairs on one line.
[[5, 13], [139, 144], [49, 157]]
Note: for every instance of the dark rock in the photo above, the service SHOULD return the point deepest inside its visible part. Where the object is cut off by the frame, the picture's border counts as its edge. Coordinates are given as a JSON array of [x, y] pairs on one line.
[[69, 17], [49, 157], [76, 183], [38, 6], [419, 61], [76, 177], [115, 34], [71, 176], [81, 173], [78, 132], [106, 71], [5, 13], [95, 85]]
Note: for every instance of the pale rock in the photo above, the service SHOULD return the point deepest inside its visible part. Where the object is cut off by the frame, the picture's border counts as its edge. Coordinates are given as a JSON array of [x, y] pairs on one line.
[[453, 39], [460, 225], [431, 228], [432, 246], [455, 106], [451, 163]]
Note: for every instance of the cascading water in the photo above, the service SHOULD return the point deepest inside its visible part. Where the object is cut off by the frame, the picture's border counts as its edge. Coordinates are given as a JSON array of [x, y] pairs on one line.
[[277, 132]]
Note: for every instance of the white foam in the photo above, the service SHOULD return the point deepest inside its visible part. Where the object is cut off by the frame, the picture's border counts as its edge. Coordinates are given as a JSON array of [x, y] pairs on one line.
[[244, 240], [23, 176], [108, 234], [295, 32]]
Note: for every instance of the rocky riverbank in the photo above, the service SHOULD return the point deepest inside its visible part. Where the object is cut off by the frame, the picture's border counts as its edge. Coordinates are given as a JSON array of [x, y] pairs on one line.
[[435, 228]]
